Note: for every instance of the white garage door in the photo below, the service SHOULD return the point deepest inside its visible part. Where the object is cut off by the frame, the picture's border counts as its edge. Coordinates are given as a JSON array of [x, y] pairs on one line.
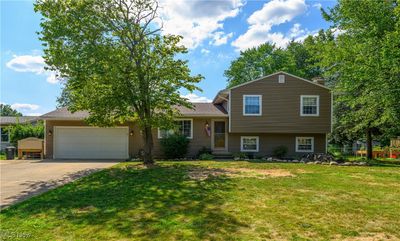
[[90, 143]]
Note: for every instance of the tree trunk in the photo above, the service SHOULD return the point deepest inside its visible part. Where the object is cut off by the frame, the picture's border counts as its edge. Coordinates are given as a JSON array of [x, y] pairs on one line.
[[148, 146], [369, 143]]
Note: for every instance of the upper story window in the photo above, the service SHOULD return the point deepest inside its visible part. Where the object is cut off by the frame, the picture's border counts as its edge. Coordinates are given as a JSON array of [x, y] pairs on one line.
[[5, 136], [183, 127], [309, 105], [252, 105]]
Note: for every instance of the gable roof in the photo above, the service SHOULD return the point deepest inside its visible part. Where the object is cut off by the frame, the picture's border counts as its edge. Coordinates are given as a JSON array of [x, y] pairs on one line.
[[203, 109], [280, 72], [199, 110], [64, 113], [8, 120]]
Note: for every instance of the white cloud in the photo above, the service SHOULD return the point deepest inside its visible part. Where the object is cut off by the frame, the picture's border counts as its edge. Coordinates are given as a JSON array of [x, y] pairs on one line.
[[296, 31], [26, 63], [220, 38], [34, 114], [24, 107], [52, 78], [31, 64], [197, 20], [277, 12], [337, 31], [205, 51], [273, 13], [195, 98], [317, 5]]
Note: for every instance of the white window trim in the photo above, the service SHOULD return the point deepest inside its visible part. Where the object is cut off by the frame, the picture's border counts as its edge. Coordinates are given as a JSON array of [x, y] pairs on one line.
[[312, 144], [301, 105], [281, 79], [186, 119], [7, 142], [257, 142], [244, 105]]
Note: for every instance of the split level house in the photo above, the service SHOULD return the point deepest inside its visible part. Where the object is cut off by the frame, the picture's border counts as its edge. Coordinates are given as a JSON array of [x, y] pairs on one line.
[[255, 117]]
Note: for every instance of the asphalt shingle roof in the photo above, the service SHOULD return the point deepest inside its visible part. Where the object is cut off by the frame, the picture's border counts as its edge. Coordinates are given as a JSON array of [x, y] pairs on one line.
[[7, 120], [199, 109]]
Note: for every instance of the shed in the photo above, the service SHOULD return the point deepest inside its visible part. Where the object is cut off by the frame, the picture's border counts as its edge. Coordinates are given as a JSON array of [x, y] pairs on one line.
[[31, 147]]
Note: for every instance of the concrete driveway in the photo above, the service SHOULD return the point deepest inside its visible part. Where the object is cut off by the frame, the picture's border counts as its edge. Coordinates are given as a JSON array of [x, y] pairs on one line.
[[22, 179]]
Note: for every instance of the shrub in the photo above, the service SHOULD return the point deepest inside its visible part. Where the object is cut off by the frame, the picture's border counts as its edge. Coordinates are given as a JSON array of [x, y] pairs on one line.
[[175, 146], [22, 131], [280, 151], [204, 150], [206, 156]]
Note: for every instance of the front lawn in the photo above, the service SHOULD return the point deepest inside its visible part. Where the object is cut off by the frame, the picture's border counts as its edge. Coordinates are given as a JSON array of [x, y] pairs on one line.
[[215, 200]]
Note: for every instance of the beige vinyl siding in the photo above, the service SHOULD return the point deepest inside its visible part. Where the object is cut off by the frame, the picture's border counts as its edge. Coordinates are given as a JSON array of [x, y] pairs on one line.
[[269, 141], [200, 137], [280, 107]]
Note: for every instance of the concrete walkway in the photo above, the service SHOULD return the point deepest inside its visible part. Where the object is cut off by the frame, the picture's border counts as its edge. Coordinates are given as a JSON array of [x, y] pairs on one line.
[[22, 179]]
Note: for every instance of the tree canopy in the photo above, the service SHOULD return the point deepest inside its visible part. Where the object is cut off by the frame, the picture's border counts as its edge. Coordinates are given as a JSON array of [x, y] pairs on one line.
[[116, 63], [364, 64], [299, 58], [7, 110]]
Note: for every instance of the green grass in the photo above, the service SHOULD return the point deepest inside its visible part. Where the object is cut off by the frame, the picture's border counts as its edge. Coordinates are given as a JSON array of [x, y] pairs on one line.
[[236, 201], [2, 156], [376, 161]]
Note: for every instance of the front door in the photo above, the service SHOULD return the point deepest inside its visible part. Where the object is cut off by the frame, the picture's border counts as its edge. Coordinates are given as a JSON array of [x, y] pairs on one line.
[[219, 135]]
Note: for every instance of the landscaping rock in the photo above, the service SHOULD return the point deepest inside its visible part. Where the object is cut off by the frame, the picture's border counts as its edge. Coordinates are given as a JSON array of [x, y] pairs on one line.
[[333, 163], [317, 162], [310, 162], [295, 161], [236, 158], [320, 157], [270, 159]]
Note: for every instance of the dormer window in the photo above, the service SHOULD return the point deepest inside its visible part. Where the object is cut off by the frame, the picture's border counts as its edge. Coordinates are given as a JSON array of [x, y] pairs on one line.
[[252, 105]]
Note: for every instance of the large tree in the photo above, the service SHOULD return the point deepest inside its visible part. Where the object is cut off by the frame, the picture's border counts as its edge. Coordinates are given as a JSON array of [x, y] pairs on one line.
[[299, 58], [364, 62], [7, 110], [116, 63]]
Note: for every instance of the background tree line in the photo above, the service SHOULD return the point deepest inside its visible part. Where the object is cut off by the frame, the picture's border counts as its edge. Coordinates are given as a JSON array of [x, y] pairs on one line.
[[359, 58]]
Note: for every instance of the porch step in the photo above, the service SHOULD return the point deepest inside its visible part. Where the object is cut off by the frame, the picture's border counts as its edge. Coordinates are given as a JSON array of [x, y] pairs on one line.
[[222, 155]]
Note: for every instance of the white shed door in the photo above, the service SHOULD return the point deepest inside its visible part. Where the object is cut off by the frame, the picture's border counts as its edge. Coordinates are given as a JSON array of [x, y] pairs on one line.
[[90, 143]]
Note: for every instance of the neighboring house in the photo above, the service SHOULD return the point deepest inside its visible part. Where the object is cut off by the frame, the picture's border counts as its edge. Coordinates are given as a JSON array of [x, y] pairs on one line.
[[6, 121], [255, 117]]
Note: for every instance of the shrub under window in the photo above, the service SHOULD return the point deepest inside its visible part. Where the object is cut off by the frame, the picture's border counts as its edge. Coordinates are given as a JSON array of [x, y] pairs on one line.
[[175, 146], [280, 151]]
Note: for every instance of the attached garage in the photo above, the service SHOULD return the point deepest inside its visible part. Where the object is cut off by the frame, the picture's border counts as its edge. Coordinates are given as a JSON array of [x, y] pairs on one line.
[[83, 142]]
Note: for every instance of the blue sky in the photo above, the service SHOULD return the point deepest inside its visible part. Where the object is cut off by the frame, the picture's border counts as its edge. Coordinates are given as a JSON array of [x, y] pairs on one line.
[[214, 32]]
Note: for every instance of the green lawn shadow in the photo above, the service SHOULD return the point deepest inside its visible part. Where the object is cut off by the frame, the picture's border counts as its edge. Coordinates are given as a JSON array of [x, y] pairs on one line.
[[137, 202]]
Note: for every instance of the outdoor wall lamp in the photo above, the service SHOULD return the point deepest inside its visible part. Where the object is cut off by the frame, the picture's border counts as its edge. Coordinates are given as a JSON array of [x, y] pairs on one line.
[[207, 128], [131, 133], [50, 133]]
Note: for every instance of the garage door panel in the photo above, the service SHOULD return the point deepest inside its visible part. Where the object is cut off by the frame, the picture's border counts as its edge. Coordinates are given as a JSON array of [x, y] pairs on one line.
[[91, 143]]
